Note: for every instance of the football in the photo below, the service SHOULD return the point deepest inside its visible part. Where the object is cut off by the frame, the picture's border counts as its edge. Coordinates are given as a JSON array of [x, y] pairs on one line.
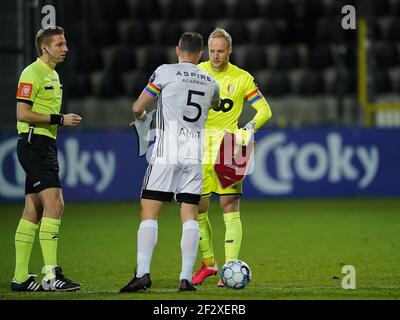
[[236, 274]]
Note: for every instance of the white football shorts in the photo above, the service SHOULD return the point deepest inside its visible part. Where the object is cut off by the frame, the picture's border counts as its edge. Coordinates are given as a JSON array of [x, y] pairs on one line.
[[169, 178]]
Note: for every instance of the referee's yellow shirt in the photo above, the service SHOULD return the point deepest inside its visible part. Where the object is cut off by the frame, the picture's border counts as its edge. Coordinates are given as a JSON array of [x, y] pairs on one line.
[[39, 86]]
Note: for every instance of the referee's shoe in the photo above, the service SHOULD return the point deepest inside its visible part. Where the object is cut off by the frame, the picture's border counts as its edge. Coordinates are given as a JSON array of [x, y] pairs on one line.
[[137, 284], [30, 285], [60, 282]]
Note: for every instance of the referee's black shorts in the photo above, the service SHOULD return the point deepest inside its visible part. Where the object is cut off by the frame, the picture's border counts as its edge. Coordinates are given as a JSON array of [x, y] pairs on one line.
[[39, 161]]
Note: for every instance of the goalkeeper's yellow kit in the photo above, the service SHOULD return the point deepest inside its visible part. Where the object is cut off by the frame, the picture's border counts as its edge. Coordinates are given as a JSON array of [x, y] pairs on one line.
[[236, 86]]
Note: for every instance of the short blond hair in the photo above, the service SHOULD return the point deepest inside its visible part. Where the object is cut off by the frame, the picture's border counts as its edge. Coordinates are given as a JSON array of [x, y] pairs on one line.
[[221, 33]]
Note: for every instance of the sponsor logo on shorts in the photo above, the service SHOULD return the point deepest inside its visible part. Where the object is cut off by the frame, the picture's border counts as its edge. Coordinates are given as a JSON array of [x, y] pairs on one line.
[[37, 184]]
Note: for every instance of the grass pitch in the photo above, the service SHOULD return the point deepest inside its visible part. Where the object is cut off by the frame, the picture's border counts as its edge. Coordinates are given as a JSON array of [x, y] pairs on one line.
[[295, 248]]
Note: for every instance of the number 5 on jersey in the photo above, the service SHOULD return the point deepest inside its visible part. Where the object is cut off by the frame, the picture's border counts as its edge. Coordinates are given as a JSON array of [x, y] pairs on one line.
[[193, 104]]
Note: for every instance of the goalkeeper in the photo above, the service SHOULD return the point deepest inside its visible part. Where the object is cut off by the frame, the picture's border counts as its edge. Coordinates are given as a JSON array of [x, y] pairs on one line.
[[236, 85]]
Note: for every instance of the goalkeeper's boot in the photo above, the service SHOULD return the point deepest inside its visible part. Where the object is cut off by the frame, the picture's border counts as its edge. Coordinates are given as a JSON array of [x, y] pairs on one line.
[[30, 285], [185, 285], [59, 282], [204, 272], [220, 284], [137, 284]]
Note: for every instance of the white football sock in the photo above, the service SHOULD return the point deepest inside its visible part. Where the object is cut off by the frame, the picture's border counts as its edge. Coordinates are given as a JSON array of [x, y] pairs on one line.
[[189, 246], [146, 241]]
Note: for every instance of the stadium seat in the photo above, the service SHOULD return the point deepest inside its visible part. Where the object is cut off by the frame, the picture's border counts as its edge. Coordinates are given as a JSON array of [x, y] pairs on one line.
[[382, 82], [136, 33], [239, 32], [169, 32], [72, 12], [276, 85], [329, 9], [387, 55], [306, 12], [375, 30], [75, 35], [79, 86], [138, 83], [395, 9], [179, 10], [300, 16], [254, 58], [154, 57], [380, 8], [351, 82], [393, 30], [245, 9], [204, 28], [212, 9], [110, 10], [118, 9], [331, 27], [346, 83], [88, 60], [328, 30], [277, 9], [311, 84], [320, 57], [350, 56], [122, 59], [111, 85], [146, 10], [269, 32], [324, 31], [289, 58], [105, 34]]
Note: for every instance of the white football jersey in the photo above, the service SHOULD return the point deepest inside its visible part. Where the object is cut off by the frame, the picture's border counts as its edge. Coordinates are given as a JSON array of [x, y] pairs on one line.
[[185, 93]]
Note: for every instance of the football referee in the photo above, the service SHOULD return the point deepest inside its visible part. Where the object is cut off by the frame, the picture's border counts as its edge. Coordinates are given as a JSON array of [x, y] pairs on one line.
[[39, 97]]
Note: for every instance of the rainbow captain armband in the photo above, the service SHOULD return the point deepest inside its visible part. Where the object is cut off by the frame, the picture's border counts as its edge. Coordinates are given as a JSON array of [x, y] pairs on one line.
[[254, 96], [152, 90]]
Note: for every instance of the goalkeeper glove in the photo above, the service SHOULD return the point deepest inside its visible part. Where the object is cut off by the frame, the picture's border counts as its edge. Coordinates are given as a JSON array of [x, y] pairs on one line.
[[245, 134], [249, 126]]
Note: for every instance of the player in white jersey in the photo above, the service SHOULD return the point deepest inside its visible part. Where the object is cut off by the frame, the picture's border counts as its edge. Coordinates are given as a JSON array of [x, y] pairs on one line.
[[184, 95]]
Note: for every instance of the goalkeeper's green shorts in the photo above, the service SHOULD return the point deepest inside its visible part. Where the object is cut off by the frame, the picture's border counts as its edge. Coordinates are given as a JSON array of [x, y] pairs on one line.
[[211, 183]]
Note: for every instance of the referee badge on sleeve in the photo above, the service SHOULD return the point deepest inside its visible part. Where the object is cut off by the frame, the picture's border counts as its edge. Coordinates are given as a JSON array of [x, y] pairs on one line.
[[24, 90]]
